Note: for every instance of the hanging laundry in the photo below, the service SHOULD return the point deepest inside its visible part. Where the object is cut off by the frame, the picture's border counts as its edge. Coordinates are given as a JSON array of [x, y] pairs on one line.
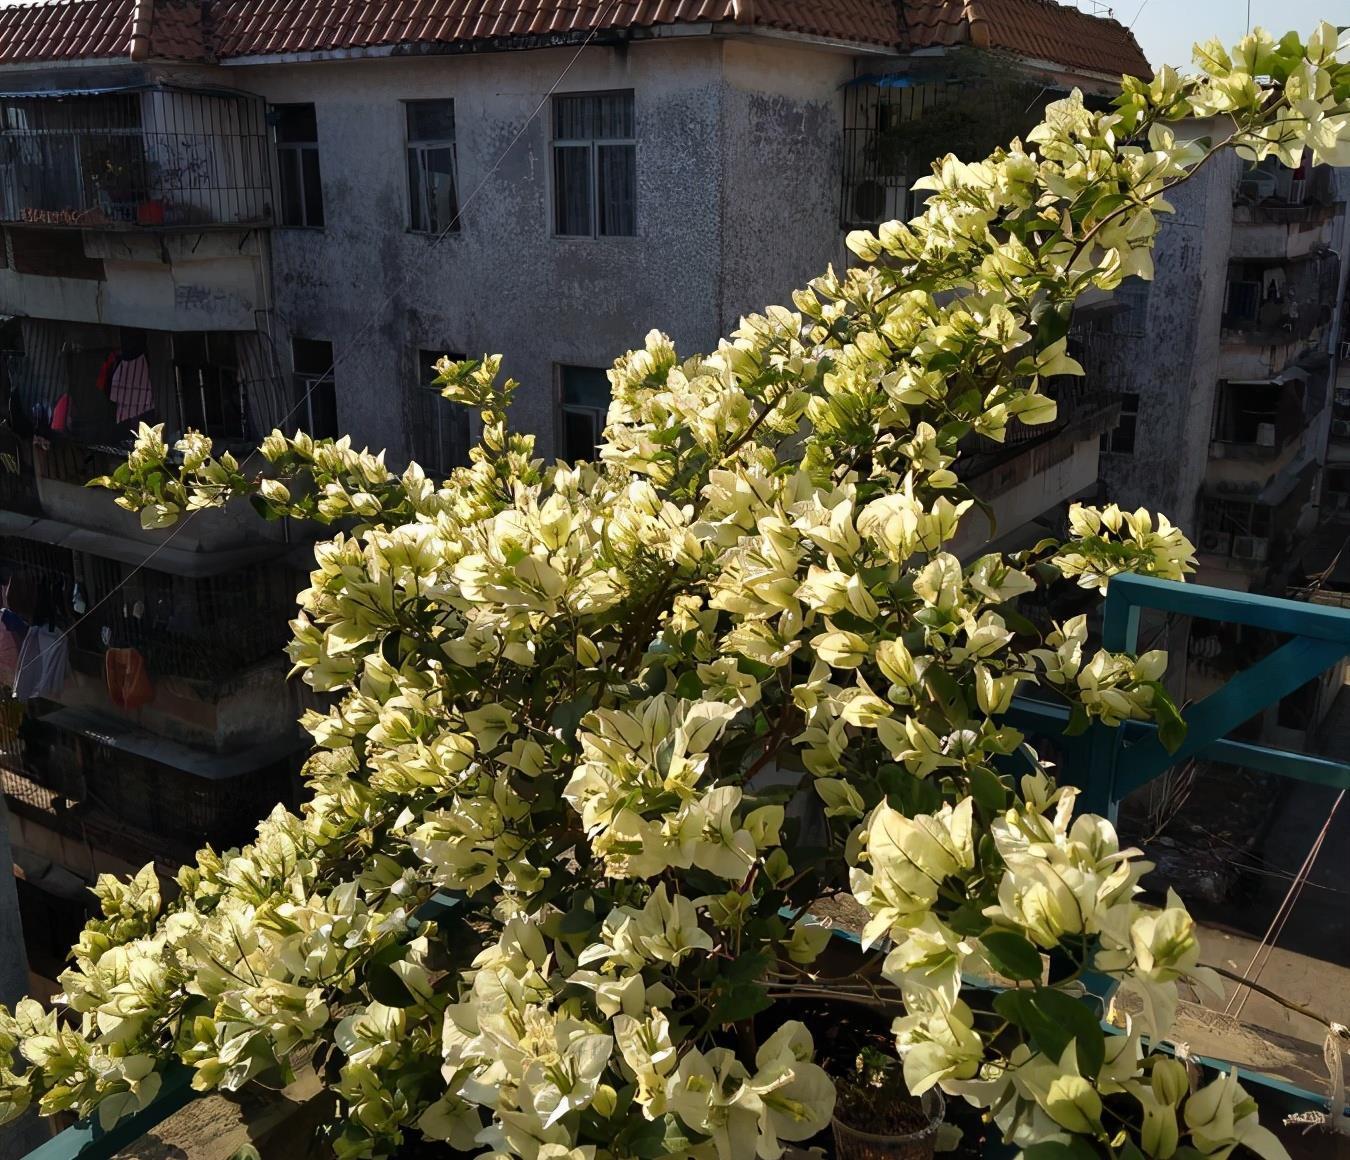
[[21, 596], [131, 391], [13, 629], [105, 372], [129, 684], [61, 416], [44, 665]]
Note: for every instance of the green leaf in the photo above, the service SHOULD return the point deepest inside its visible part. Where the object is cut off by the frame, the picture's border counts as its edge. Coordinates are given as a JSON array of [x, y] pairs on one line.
[[989, 792], [386, 987], [1171, 726], [1078, 721], [1013, 955], [741, 1000], [1052, 1020]]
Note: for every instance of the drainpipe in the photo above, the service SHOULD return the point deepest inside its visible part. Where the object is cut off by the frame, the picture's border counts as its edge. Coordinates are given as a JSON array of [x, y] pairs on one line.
[[142, 18]]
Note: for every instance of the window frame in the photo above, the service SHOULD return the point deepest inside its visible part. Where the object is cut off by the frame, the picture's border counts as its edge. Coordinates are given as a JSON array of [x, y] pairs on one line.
[[190, 375], [421, 147], [437, 406], [597, 416], [300, 151], [306, 383], [592, 145]]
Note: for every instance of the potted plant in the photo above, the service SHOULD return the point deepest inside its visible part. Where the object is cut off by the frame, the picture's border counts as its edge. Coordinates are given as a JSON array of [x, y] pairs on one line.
[[540, 904], [894, 1124]]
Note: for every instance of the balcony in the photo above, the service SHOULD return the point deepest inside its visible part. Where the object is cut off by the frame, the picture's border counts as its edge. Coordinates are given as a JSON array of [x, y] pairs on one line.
[[148, 158], [137, 796], [206, 626], [77, 394], [1281, 300], [1039, 467]]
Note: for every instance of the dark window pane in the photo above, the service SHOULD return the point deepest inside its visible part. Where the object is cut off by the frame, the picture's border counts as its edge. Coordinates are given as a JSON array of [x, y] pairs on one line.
[[312, 356], [572, 119], [292, 197], [322, 408], [431, 120], [295, 124], [585, 387], [614, 115], [431, 179], [439, 437], [572, 190], [313, 188], [580, 435], [617, 180]]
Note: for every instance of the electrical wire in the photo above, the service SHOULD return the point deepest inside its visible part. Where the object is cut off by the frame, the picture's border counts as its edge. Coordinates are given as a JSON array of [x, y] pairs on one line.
[[1267, 945], [373, 321]]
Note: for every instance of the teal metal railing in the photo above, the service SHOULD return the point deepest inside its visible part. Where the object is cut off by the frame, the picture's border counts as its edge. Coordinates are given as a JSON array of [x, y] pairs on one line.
[[1106, 764], [1109, 764]]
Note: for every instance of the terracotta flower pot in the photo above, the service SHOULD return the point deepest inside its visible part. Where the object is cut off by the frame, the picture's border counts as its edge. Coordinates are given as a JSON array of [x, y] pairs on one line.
[[852, 1143]]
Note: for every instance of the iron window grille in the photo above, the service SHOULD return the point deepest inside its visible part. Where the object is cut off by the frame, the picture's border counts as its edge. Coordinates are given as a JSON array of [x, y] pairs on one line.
[[1121, 440], [594, 165], [878, 177], [148, 156]]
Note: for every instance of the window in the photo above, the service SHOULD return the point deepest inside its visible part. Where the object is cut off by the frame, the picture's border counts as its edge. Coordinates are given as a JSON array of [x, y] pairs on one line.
[[315, 390], [585, 402], [594, 165], [1121, 440], [211, 394], [439, 431], [433, 200], [297, 136]]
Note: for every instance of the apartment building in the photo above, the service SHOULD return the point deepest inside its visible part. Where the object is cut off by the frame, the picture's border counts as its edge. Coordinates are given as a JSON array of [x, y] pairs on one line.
[[228, 215]]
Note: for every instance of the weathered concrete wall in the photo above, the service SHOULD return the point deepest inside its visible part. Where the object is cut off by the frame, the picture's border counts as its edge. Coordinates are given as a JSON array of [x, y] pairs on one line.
[[782, 119], [208, 280], [502, 282], [1168, 351], [737, 167]]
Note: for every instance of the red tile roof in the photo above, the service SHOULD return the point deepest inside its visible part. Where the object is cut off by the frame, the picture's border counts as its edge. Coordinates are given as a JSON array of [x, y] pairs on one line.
[[1040, 29], [258, 27], [53, 30], [65, 30]]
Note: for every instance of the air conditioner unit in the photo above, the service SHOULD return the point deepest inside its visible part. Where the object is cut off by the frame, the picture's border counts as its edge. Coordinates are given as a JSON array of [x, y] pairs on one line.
[[882, 200], [1249, 548], [1216, 543]]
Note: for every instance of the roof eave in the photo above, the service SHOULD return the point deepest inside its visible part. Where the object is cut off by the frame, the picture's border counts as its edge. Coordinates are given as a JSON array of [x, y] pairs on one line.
[[557, 40]]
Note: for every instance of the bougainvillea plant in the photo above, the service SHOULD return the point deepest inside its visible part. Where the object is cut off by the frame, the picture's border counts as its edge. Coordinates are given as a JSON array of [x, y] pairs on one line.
[[634, 718]]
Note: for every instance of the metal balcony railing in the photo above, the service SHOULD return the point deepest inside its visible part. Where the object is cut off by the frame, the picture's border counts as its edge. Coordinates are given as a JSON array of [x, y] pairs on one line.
[[1106, 763], [212, 629], [149, 157]]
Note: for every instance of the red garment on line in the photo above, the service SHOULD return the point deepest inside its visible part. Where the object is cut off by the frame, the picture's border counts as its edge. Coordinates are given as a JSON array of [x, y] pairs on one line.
[[129, 684]]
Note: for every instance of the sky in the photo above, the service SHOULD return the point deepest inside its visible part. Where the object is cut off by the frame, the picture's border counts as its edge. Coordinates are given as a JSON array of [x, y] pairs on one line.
[[1168, 28]]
